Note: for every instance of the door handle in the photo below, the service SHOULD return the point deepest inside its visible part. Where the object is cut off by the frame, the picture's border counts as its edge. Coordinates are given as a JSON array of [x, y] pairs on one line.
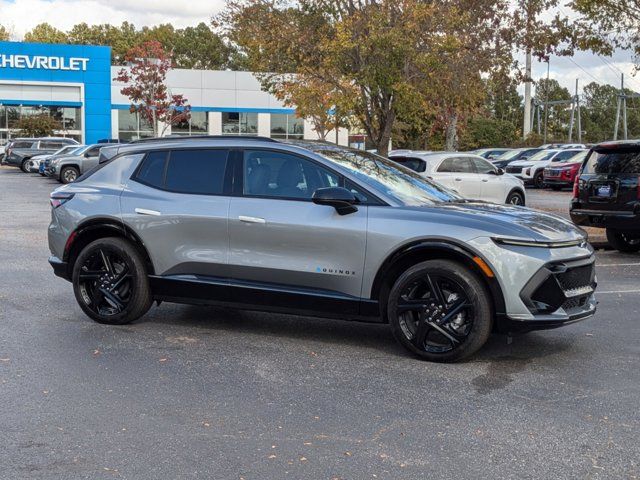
[[458, 179], [485, 180], [144, 211], [244, 219]]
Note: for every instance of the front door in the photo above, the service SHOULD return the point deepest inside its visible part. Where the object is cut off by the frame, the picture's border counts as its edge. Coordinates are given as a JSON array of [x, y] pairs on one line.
[[280, 240], [458, 173]]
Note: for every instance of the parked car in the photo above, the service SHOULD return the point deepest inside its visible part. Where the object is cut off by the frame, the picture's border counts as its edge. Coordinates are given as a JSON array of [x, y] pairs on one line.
[[315, 229], [490, 153], [556, 146], [20, 150], [531, 171], [606, 193], [2, 149], [67, 168], [34, 163], [471, 176], [512, 155], [564, 174]]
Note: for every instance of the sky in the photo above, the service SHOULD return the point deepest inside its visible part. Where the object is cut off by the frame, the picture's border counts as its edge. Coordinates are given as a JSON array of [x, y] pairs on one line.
[[22, 15]]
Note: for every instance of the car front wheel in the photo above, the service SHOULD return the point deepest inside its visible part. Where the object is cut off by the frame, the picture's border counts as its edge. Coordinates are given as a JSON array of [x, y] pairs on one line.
[[538, 180], [623, 242], [110, 282], [515, 198], [69, 174], [440, 311]]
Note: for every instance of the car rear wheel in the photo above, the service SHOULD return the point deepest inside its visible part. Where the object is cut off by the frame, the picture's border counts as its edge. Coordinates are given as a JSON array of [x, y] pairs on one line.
[[440, 311], [110, 282], [24, 166], [69, 174], [622, 241], [538, 180], [515, 198]]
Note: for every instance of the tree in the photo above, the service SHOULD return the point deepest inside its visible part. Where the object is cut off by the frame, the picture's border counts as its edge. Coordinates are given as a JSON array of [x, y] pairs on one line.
[[4, 34], [599, 112], [483, 132], [378, 60], [45, 33], [147, 90], [41, 125], [557, 115]]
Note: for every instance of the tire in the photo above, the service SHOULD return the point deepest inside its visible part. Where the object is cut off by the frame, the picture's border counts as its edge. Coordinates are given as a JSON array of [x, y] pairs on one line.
[[110, 282], [538, 180], [412, 310], [69, 174], [622, 242], [24, 166], [515, 198]]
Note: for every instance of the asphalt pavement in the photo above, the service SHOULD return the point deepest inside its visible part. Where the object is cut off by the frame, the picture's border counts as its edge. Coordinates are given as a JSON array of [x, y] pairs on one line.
[[199, 392]]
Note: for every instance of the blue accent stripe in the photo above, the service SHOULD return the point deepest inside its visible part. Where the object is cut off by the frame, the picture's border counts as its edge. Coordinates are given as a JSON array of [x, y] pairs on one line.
[[120, 106], [37, 103]]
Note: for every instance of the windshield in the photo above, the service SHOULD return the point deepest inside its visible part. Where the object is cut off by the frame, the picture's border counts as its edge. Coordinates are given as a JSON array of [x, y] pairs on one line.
[[508, 155], [66, 149], [397, 182], [542, 155], [578, 157]]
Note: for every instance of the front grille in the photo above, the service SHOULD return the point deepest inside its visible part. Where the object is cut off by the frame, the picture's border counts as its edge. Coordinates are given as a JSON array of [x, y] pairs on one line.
[[514, 169], [552, 173], [560, 285], [577, 277]]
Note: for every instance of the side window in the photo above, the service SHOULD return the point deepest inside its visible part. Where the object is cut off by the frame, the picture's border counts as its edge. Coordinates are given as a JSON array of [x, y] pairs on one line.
[[93, 152], [278, 174], [22, 145], [564, 155], [357, 191], [151, 172], [483, 166], [457, 165], [196, 171]]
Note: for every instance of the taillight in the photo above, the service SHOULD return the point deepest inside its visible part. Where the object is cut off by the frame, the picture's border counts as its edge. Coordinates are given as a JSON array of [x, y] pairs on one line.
[[60, 198], [576, 186]]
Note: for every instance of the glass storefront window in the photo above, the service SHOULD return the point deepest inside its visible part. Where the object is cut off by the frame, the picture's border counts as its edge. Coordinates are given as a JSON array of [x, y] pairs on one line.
[[70, 119], [286, 126], [239, 123], [196, 125], [132, 126]]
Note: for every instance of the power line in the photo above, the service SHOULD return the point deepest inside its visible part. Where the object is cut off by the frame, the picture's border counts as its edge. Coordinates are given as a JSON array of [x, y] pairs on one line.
[[585, 71]]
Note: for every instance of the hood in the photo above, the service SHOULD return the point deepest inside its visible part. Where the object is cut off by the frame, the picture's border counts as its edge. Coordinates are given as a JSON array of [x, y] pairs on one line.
[[490, 219], [522, 163], [565, 164]]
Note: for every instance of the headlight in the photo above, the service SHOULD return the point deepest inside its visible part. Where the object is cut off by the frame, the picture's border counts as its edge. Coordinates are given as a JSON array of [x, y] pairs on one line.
[[527, 171], [518, 242]]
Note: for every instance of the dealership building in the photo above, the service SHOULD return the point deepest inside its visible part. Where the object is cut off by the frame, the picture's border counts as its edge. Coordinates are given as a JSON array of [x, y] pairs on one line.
[[75, 85]]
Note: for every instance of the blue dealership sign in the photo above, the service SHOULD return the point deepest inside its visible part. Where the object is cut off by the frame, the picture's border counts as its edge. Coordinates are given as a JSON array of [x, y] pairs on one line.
[[63, 64]]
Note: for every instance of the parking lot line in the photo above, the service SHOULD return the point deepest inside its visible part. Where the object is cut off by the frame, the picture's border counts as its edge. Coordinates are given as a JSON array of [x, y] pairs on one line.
[[617, 264], [616, 291]]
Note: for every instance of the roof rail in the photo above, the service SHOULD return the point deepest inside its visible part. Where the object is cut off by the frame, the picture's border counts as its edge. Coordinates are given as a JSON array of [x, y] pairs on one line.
[[202, 137]]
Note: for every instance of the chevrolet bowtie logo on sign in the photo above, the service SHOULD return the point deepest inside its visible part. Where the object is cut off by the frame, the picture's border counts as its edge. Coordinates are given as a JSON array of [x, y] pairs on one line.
[[42, 62]]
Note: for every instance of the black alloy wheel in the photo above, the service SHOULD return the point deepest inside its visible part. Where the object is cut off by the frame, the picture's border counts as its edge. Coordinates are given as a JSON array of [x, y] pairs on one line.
[[110, 282], [440, 311], [623, 241]]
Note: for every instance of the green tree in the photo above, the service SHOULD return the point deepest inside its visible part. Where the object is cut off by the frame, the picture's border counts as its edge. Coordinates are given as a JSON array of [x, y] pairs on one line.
[[201, 48], [558, 116], [45, 33], [38, 125], [380, 60], [599, 113], [4, 34], [483, 132]]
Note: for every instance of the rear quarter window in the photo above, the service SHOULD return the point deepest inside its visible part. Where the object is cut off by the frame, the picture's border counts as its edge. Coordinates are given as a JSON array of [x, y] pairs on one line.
[[612, 162]]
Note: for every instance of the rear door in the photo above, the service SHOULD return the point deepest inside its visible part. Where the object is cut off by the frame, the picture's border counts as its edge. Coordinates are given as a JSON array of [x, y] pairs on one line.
[[177, 203], [610, 179], [460, 174], [280, 240]]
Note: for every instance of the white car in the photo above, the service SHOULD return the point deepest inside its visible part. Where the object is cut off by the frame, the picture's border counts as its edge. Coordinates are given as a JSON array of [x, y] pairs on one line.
[[531, 170], [470, 175]]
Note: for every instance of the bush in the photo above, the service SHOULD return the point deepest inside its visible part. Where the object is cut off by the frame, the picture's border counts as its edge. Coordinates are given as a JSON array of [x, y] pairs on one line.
[[38, 126]]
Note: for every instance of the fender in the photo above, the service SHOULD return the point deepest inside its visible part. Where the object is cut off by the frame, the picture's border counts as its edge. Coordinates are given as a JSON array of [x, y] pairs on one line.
[[113, 224], [451, 249]]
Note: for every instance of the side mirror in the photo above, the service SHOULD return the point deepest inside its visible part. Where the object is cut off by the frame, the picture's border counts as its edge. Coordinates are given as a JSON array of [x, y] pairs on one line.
[[337, 197]]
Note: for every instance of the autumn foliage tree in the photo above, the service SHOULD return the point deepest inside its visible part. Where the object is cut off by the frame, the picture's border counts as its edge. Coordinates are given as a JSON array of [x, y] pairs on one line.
[[379, 60], [147, 90], [38, 125]]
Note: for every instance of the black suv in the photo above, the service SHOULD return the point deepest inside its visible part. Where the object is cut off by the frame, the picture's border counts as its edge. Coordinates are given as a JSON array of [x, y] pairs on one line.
[[607, 193]]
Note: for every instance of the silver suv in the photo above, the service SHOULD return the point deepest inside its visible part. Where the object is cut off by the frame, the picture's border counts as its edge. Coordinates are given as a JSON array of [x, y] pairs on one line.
[[313, 229]]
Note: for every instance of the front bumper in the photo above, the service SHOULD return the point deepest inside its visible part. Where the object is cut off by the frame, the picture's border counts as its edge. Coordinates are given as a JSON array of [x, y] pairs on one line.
[[60, 268]]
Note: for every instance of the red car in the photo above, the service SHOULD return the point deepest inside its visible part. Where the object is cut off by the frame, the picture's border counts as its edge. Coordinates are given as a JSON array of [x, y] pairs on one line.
[[558, 175]]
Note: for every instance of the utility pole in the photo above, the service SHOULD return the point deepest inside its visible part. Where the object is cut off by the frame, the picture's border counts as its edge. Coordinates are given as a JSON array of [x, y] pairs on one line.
[[579, 119], [621, 106], [546, 104], [575, 112], [526, 129]]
